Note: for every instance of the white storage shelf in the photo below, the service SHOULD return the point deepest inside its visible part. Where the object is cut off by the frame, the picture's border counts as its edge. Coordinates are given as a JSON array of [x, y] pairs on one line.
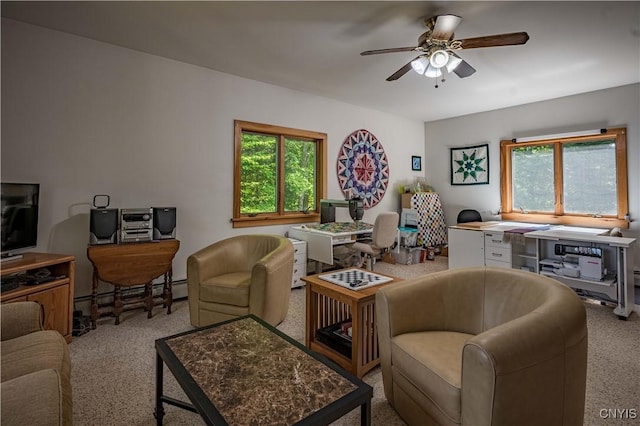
[[299, 262], [617, 257]]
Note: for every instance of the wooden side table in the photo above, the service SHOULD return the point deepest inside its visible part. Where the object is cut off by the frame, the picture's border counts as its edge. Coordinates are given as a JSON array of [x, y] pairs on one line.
[[132, 264], [329, 304]]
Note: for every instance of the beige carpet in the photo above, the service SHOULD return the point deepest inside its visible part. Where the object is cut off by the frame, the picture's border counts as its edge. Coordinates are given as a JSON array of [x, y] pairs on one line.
[[113, 372]]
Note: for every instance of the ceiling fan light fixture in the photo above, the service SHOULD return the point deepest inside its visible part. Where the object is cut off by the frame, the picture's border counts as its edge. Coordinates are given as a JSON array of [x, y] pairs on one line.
[[439, 59], [438, 47], [454, 61], [420, 64], [432, 72]]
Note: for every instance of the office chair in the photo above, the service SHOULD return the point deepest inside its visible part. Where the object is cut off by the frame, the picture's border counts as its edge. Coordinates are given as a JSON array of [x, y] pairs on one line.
[[468, 215], [385, 229]]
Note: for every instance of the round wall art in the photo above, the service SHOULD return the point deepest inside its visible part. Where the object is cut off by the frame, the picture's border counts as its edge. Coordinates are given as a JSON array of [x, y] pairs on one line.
[[363, 169]]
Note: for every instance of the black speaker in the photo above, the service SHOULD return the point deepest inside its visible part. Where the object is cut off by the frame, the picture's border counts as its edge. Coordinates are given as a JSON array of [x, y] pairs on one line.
[[103, 226], [164, 223]]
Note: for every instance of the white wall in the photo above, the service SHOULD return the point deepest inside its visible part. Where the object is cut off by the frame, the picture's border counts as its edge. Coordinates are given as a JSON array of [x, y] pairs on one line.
[[83, 118], [614, 107]]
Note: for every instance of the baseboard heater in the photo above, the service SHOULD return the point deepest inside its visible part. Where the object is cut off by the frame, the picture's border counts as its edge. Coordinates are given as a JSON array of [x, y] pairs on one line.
[[129, 292]]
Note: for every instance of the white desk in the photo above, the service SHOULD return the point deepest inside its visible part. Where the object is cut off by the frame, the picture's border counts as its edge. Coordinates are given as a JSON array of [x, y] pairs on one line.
[[485, 244], [524, 246], [321, 239]]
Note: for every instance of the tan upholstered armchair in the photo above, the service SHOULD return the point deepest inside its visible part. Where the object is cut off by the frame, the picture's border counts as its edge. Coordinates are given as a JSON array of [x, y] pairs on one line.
[[246, 274], [35, 367], [483, 346]]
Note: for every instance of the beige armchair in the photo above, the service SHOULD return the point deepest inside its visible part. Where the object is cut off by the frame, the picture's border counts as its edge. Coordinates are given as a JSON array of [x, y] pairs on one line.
[[246, 274], [483, 346], [35, 367]]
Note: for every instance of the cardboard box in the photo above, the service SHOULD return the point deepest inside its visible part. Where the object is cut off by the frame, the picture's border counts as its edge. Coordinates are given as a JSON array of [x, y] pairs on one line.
[[406, 201]]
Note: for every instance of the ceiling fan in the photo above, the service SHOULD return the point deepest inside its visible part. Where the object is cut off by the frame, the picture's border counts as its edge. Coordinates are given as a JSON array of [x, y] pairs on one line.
[[437, 48]]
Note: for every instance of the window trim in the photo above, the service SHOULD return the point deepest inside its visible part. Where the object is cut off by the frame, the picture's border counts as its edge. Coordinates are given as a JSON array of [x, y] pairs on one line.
[[620, 220], [280, 217]]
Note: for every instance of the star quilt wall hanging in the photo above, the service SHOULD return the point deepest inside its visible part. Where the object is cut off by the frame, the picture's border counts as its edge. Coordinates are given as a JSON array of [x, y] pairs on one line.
[[470, 165], [363, 169]]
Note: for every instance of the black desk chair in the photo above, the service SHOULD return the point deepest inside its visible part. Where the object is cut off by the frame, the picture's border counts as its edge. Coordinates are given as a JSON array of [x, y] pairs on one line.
[[468, 215]]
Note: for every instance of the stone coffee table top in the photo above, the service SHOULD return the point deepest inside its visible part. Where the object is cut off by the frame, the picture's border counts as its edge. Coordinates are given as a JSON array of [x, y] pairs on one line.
[[254, 376]]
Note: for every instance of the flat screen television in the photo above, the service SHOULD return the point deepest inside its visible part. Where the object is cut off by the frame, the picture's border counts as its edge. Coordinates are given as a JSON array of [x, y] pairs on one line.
[[19, 217]]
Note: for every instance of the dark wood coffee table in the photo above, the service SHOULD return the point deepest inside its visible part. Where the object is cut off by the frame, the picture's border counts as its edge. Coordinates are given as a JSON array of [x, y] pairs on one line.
[[245, 371]]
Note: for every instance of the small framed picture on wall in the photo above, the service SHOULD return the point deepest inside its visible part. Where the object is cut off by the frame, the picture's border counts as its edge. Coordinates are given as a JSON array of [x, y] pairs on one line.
[[416, 163]]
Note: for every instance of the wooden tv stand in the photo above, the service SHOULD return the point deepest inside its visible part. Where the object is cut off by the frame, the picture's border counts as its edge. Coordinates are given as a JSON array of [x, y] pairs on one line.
[[55, 297]]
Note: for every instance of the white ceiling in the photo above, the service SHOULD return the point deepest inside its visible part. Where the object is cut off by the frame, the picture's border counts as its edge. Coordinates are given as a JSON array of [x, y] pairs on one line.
[[315, 47]]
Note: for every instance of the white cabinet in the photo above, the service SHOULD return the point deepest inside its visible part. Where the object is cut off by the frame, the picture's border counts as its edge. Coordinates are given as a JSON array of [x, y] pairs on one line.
[[466, 247], [497, 250], [299, 262], [497, 244]]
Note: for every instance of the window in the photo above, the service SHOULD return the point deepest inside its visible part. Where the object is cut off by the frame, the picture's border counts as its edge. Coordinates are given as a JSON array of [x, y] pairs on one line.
[[279, 175], [579, 180]]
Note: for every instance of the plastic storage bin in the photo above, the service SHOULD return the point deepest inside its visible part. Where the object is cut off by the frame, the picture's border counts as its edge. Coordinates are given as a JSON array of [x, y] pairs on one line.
[[408, 255], [408, 237]]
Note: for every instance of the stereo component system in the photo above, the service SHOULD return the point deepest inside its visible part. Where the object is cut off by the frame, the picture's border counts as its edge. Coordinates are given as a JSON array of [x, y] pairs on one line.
[[136, 225]]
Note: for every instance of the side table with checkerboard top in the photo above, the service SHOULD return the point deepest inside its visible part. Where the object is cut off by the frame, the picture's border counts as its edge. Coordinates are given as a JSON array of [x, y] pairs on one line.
[[328, 306]]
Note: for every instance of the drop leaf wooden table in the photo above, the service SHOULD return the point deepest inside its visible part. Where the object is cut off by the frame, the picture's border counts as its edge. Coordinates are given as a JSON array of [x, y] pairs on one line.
[[128, 265]]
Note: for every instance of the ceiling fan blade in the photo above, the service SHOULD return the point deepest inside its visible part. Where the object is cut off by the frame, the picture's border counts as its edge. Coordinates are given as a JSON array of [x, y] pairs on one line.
[[464, 69], [495, 40], [391, 50], [402, 71], [445, 26]]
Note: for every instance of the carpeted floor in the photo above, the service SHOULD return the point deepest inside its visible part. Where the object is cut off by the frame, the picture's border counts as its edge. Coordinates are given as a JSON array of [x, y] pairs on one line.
[[113, 373]]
